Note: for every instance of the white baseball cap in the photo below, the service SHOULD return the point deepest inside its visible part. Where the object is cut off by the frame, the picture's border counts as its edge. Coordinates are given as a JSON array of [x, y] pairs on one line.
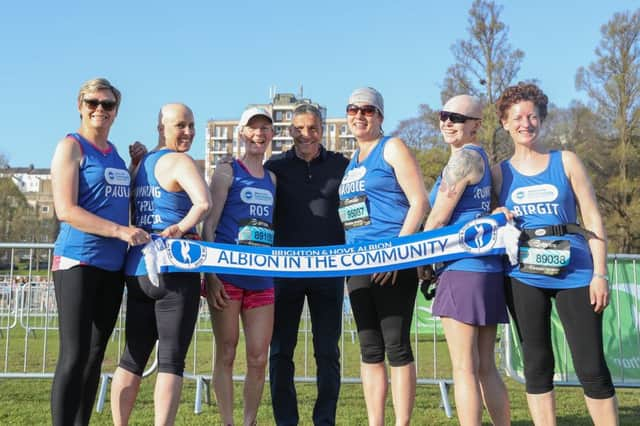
[[251, 112]]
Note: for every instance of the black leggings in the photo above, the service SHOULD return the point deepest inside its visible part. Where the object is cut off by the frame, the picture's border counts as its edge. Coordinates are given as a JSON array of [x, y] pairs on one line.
[[383, 316], [166, 313], [530, 308], [88, 301]]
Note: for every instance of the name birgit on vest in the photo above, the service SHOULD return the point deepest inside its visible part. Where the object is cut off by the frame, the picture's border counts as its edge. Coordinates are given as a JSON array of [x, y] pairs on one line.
[[535, 199]]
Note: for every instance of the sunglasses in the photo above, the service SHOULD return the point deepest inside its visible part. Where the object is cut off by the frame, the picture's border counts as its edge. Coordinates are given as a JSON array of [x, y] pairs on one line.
[[107, 105], [367, 110], [455, 117]]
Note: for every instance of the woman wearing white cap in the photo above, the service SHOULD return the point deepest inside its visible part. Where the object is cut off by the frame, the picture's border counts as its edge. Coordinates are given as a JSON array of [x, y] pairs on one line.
[[243, 198], [382, 195]]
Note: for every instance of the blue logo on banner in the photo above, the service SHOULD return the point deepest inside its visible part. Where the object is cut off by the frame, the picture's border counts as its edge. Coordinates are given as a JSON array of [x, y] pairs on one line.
[[479, 236], [185, 254]]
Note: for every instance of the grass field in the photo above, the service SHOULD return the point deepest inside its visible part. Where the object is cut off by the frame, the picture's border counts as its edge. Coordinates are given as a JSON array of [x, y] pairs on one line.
[[26, 401]]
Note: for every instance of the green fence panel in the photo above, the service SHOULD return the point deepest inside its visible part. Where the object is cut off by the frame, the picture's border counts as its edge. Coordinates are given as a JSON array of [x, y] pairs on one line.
[[621, 330], [423, 321]]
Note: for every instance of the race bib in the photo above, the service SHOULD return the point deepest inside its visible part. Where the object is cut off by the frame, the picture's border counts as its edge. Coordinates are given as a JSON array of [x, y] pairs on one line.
[[255, 232], [354, 212], [544, 256]]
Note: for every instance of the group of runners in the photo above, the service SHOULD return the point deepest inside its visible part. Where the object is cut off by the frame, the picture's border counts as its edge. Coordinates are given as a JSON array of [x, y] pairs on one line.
[[309, 196]]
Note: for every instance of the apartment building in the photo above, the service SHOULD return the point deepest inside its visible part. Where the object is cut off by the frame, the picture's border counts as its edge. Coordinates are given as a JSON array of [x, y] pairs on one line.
[[35, 184], [222, 135]]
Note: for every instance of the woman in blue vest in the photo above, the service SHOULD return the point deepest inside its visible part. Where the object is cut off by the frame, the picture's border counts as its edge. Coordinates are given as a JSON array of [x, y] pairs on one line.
[[382, 195], [557, 258], [169, 198], [91, 197], [470, 298], [243, 194]]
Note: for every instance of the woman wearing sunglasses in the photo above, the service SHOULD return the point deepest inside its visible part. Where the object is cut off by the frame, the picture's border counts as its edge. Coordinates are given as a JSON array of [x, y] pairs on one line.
[[470, 299], [382, 195], [91, 197], [557, 258]]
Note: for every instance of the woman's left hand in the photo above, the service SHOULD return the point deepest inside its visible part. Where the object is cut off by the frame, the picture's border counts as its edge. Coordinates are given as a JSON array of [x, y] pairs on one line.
[[172, 231], [508, 213], [599, 294], [383, 277]]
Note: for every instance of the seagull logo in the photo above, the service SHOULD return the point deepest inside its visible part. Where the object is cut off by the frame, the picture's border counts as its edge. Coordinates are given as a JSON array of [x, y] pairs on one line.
[[186, 254], [479, 235]]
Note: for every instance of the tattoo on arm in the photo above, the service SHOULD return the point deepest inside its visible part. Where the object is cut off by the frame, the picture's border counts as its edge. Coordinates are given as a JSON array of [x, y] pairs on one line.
[[463, 166]]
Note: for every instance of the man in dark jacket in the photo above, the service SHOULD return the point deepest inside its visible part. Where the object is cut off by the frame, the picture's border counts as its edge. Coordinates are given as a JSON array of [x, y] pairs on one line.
[[306, 214]]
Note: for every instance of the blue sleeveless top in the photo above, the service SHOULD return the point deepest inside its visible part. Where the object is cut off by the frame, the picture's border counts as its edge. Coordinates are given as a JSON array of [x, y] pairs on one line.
[[541, 200], [474, 203], [247, 219], [103, 189], [375, 181], [154, 208]]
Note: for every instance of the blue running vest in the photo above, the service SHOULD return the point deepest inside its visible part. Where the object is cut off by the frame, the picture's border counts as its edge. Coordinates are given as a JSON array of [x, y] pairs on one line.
[[247, 218], [374, 184], [541, 200], [154, 208], [103, 189]]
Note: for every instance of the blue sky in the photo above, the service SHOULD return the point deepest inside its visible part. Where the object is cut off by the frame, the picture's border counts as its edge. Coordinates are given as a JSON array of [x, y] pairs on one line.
[[217, 57]]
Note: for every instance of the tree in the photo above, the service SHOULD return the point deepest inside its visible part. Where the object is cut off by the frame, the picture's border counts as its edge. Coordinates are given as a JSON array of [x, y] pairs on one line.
[[579, 129], [431, 163], [485, 65], [19, 221], [420, 132], [612, 82], [13, 208]]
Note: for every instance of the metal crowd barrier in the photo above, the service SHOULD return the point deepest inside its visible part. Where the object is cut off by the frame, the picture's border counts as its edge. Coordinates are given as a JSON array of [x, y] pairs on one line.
[[29, 320]]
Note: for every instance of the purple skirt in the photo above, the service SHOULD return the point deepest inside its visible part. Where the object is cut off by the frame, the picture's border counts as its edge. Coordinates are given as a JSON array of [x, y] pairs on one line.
[[475, 298]]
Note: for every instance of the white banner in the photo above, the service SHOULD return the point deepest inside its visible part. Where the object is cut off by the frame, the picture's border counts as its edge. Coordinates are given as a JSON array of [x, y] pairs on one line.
[[489, 235]]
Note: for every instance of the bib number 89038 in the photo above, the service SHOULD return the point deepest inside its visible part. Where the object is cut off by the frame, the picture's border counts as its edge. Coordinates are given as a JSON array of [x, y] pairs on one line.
[[551, 259]]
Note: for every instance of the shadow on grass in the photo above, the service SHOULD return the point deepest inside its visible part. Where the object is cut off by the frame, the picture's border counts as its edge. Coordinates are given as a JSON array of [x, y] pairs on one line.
[[629, 410], [630, 415]]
